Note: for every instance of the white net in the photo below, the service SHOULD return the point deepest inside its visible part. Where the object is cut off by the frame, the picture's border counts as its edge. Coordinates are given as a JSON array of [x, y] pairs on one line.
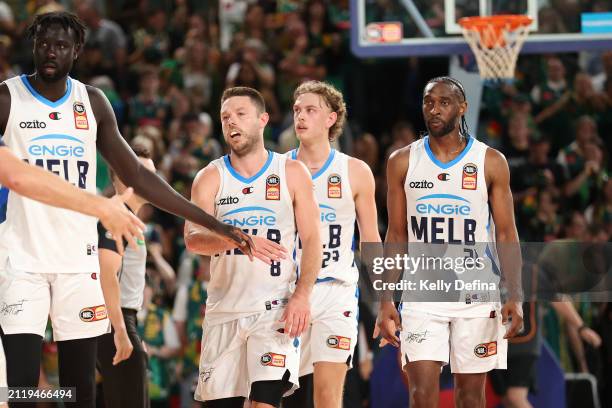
[[496, 46]]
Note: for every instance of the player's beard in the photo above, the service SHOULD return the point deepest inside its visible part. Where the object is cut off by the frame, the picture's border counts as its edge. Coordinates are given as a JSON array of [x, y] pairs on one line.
[[247, 146], [444, 130]]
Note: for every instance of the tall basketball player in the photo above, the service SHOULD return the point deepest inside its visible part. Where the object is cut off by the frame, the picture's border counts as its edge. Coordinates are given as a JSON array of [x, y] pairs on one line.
[[58, 123], [344, 188], [40, 185], [250, 344], [454, 167]]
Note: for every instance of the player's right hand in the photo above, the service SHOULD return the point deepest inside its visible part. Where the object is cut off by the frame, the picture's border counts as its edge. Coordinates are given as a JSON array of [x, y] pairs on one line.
[[387, 325], [123, 345], [268, 251], [120, 222]]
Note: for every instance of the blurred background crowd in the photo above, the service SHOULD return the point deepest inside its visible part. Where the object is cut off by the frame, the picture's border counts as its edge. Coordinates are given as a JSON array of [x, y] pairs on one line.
[[163, 65]]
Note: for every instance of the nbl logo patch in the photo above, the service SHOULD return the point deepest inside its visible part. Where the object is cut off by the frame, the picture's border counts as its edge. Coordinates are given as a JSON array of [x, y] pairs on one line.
[[486, 349], [273, 360], [469, 178], [93, 314], [273, 187], [334, 186], [80, 116], [339, 342]]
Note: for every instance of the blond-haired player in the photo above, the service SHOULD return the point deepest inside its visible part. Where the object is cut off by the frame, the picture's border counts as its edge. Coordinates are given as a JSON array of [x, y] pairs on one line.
[[344, 187]]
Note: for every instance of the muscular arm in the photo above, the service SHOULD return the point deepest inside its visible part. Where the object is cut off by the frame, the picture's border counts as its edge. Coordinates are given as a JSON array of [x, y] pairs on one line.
[[203, 192], [147, 184], [497, 176], [306, 212], [364, 188]]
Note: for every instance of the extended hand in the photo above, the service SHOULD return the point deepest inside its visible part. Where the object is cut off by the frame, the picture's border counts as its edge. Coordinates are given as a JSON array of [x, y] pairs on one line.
[[387, 325], [296, 315], [512, 310], [268, 251], [123, 345]]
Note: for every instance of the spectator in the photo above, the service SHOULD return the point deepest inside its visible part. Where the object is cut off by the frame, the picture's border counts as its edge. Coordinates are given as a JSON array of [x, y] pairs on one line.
[[106, 34], [517, 142], [600, 79], [600, 212], [147, 107], [402, 134], [198, 75]]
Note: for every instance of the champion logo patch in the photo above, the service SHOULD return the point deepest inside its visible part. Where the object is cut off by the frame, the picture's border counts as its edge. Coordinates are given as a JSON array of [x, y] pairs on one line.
[[55, 116]]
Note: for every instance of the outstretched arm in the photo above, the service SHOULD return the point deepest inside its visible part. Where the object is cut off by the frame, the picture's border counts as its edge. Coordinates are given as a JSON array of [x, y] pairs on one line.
[[147, 184]]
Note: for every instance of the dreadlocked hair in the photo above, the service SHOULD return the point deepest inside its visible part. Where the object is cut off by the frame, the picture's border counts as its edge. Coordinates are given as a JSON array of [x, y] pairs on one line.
[[463, 127], [63, 18]]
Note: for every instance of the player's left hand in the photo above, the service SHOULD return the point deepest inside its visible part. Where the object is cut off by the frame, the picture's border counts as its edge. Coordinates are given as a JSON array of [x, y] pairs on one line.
[[512, 311], [590, 336], [296, 315], [123, 345]]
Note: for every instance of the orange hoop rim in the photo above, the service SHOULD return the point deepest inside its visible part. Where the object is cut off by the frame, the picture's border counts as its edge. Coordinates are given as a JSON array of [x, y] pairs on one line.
[[500, 21]]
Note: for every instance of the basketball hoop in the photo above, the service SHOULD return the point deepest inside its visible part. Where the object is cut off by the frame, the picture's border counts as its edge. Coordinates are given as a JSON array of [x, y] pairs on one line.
[[496, 42]]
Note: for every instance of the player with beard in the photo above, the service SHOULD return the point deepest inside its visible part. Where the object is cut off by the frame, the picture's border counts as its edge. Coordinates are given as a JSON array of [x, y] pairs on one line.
[[449, 168], [50, 255], [250, 344]]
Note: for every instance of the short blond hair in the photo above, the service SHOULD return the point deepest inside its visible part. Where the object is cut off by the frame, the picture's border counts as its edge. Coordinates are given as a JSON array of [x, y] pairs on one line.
[[333, 99]]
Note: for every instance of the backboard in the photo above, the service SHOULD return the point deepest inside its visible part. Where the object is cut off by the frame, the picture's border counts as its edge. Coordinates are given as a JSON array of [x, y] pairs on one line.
[[393, 28]]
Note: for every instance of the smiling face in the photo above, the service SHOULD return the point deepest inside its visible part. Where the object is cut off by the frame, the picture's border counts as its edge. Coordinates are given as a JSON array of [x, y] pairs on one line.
[[312, 118], [442, 108], [54, 52], [242, 124]]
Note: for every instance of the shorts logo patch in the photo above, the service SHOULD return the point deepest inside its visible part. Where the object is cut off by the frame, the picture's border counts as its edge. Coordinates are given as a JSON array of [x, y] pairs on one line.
[[339, 342], [205, 375], [80, 116], [469, 178], [273, 360], [348, 313], [92, 249], [334, 186], [486, 349], [416, 337], [273, 187], [93, 314], [276, 304], [94, 276]]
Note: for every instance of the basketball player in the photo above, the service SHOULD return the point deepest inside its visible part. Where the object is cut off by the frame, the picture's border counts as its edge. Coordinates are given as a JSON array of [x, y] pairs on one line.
[[125, 382], [454, 166], [250, 344], [40, 185], [344, 188], [58, 123]]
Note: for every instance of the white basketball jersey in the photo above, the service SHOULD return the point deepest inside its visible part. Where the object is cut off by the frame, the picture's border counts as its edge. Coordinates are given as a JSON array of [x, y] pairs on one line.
[[337, 208], [262, 206], [58, 136], [447, 203]]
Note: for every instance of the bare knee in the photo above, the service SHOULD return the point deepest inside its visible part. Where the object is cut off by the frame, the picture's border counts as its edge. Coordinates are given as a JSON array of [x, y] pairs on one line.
[[422, 397], [469, 397], [328, 397]]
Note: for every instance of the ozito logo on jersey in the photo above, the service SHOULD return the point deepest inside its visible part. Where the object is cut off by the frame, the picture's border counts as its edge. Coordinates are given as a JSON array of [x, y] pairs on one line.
[[443, 176], [486, 349], [228, 200], [273, 360], [339, 342], [421, 184], [334, 186], [469, 178], [93, 314], [273, 187], [247, 190], [34, 124], [55, 116], [80, 116]]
